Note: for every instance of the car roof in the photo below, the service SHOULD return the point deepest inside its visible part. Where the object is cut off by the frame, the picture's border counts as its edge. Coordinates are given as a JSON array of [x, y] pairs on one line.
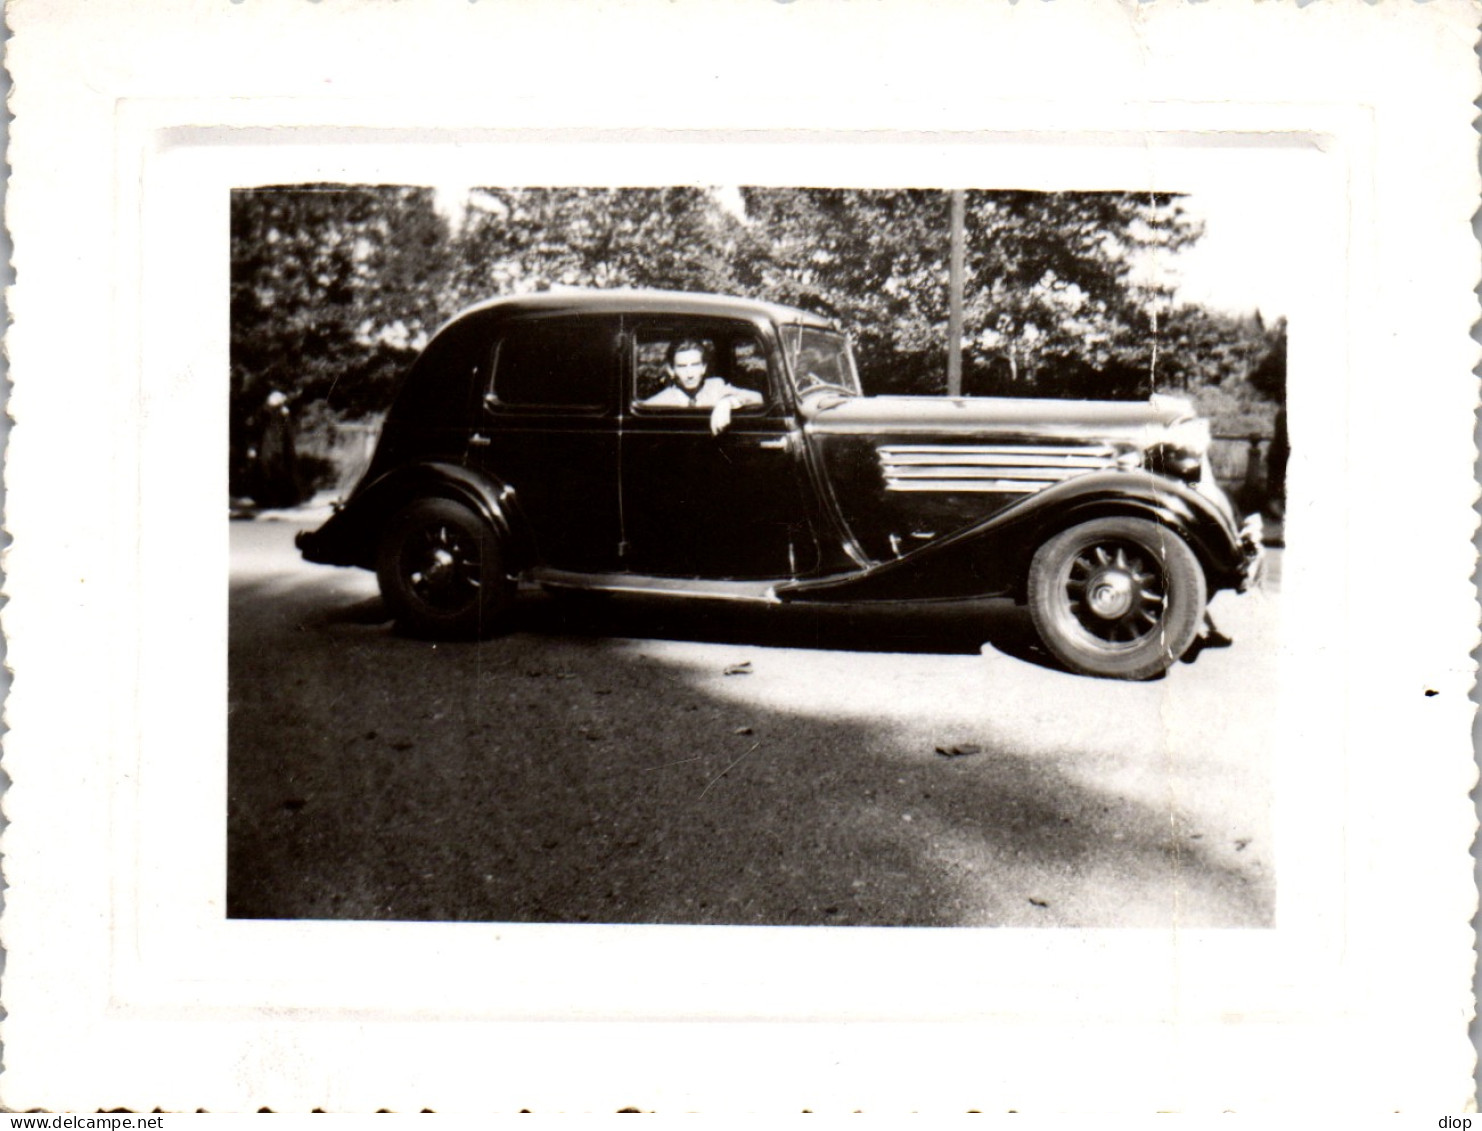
[[578, 301]]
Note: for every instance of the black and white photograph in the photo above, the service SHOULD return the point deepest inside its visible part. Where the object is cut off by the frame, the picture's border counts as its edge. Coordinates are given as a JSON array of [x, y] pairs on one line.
[[741, 557], [754, 556]]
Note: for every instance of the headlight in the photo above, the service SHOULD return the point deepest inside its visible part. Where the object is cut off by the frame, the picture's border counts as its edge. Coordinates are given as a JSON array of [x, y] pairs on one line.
[[1191, 435], [1177, 462], [1181, 449]]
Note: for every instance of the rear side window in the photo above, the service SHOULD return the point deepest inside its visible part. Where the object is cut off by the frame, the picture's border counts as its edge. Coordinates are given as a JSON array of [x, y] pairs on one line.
[[439, 389], [556, 363]]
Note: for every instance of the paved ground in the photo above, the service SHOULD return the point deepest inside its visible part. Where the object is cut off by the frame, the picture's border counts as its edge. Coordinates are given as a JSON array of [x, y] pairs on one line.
[[646, 763]]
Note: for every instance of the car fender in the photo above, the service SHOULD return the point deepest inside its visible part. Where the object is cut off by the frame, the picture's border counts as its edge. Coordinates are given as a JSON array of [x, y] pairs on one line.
[[353, 533], [991, 558]]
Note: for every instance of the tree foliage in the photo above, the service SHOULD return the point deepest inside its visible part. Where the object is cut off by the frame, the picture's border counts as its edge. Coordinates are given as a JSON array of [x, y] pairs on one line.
[[876, 261], [334, 288], [520, 240], [331, 288]]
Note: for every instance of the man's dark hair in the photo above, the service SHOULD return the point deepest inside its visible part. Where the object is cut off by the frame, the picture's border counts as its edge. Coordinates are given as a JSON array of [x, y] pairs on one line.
[[680, 344]]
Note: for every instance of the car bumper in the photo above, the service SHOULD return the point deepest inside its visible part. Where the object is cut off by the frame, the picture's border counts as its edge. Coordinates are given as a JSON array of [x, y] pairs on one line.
[[308, 544], [327, 545], [1253, 551]]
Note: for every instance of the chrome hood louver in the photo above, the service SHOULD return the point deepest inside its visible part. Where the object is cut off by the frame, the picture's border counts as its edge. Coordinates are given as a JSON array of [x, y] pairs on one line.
[[989, 468], [997, 445]]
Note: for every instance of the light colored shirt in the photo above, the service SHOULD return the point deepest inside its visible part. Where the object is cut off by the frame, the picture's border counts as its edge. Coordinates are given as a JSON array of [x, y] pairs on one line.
[[708, 395]]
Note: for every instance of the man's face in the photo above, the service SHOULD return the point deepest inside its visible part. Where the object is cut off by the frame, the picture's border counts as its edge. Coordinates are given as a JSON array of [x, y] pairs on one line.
[[689, 369]]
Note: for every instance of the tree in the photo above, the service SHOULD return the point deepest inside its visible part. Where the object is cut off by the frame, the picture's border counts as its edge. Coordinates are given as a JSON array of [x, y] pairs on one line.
[[1060, 301], [331, 290], [522, 240], [1268, 377], [873, 259]]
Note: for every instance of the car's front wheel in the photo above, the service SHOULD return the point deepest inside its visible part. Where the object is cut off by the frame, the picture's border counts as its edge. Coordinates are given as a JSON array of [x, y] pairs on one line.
[[1117, 597], [441, 572]]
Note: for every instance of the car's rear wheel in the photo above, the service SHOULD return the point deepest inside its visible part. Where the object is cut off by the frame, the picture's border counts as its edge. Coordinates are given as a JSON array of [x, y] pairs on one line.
[[1117, 597], [441, 572]]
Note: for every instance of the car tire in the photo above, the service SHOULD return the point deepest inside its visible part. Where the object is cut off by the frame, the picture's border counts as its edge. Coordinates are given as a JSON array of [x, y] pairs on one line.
[[441, 572], [1121, 598]]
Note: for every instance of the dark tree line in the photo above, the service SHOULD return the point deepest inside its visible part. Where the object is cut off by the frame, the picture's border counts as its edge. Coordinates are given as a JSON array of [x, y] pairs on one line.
[[334, 288]]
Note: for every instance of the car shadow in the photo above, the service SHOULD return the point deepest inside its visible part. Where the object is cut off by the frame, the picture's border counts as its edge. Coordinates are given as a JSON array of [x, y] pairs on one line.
[[935, 628], [958, 628], [368, 611]]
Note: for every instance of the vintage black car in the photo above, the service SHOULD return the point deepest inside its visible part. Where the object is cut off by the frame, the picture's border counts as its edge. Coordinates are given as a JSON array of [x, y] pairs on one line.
[[709, 447]]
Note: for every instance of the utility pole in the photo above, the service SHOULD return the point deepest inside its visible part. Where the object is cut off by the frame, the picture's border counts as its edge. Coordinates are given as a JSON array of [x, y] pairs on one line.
[[1153, 362], [954, 312]]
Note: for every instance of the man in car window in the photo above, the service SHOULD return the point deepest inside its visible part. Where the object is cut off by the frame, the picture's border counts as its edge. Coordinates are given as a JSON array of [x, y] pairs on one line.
[[689, 387]]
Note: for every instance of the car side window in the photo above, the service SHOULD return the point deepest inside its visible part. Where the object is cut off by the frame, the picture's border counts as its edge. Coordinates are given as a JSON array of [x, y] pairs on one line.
[[555, 363], [750, 365], [440, 386], [686, 368]]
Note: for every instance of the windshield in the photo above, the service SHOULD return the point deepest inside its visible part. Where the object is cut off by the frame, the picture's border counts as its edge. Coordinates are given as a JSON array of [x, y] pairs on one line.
[[820, 360]]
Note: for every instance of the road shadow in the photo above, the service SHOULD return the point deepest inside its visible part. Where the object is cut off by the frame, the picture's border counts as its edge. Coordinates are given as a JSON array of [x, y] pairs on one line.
[[569, 776]]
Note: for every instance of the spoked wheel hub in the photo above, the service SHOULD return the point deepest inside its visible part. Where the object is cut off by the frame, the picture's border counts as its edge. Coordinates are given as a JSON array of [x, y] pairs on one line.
[[1115, 592], [443, 567]]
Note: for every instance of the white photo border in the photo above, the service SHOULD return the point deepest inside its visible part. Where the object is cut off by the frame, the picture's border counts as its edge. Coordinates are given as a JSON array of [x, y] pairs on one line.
[[357, 1015]]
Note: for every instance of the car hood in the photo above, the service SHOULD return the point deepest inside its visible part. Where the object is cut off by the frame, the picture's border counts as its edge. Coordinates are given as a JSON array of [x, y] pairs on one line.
[[1023, 416], [902, 472]]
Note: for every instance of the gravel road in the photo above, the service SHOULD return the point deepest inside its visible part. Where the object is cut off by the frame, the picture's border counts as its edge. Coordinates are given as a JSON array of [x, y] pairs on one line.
[[634, 762]]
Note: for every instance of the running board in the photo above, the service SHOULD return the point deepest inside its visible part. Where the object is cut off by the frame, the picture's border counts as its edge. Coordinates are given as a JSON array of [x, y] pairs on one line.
[[755, 592]]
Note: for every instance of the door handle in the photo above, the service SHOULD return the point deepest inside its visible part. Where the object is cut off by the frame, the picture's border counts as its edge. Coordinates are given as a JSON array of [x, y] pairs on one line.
[[779, 444], [479, 441]]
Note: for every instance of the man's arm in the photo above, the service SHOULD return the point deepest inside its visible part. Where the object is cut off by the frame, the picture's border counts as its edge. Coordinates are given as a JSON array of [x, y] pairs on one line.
[[731, 398]]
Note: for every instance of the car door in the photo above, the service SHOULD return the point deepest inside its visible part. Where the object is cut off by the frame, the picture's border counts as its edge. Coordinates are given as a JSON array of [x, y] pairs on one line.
[[694, 504], [547, 428]]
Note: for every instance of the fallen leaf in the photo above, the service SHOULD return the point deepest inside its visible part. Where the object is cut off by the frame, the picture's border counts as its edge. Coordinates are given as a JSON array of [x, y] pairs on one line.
[[743, 668], [743, 730], [1240, 844], [959, 750], [1038, 902]]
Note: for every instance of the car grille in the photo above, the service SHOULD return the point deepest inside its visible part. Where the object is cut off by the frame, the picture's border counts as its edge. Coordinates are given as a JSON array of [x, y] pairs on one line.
[[1016, 468]]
